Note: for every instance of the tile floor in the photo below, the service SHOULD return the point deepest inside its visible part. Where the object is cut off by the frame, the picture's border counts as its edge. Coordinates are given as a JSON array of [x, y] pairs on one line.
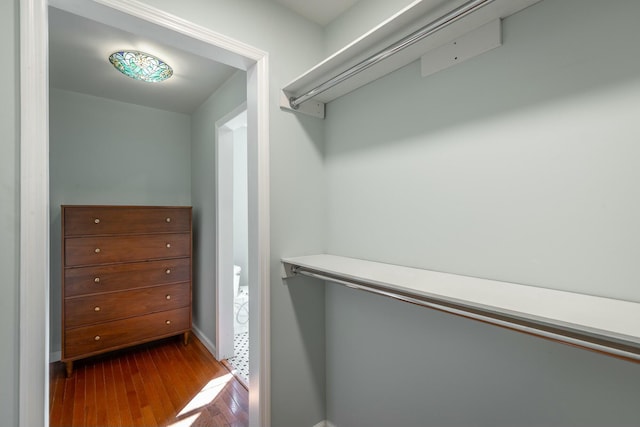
[[240, 362]]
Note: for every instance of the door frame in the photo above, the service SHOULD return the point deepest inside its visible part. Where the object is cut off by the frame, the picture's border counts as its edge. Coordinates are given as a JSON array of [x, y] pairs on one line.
[[224, 234], [33, 401]]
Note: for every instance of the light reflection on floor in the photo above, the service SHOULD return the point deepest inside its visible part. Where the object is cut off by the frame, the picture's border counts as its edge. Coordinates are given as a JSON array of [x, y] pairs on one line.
[[208, 393]]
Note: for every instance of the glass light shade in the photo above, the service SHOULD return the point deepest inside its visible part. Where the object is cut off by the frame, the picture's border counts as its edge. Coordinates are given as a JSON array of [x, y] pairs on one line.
[[141, 66]]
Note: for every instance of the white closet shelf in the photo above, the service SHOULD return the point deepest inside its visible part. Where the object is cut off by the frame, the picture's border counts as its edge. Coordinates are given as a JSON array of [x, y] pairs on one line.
[[413, 17], [604, 325]]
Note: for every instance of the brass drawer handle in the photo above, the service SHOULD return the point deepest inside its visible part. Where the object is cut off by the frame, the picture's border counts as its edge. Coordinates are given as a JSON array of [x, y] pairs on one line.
[[96, 338], [96, 280], [96, 221], [97, 250], [168, 322], [96, 309], [168, 219], [168, 271], [168, 245], [168, 297]]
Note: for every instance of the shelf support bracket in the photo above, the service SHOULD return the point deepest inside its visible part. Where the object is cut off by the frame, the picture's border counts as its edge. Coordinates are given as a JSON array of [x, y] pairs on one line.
[[310, 108], [289, 270]]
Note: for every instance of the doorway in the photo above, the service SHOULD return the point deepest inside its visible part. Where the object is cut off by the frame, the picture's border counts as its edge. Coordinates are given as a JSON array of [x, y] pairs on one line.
[[34, 224], [232, 243]]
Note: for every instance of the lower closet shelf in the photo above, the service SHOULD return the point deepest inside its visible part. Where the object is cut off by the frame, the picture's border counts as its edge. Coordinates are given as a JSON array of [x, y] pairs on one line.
[[600, 324]]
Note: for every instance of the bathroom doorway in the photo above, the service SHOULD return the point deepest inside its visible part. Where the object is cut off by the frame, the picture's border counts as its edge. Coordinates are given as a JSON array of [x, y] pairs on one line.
[[232, 279]]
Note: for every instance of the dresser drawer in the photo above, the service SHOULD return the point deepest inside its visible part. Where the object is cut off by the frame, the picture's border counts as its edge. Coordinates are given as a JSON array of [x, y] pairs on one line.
[[93, 220], [118, 277], [95, 339], [99, 308], [109, 249]]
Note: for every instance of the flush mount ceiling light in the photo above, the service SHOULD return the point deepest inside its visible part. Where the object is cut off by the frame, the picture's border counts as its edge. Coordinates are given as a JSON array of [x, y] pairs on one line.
[[141, 66]]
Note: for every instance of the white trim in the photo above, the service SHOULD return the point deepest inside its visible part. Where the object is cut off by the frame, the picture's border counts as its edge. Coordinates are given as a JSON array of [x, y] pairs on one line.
[[34, 183], [154, 22], [34, 215], [259, 227], [204, 340], [223, 153], [325, 423]]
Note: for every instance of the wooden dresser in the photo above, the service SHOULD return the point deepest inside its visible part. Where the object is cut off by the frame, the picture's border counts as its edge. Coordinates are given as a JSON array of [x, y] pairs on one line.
[[126, 277]]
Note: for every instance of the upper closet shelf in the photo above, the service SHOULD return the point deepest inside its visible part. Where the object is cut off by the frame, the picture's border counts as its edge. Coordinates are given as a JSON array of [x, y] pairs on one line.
[[601, 324], [420, 27]]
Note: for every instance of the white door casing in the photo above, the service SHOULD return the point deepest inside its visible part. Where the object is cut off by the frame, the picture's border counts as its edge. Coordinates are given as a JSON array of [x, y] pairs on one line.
[[34, 184], [224, 141]]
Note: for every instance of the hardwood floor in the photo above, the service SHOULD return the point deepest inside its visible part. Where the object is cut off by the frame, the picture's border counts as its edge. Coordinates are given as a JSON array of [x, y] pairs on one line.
[[159, 384]]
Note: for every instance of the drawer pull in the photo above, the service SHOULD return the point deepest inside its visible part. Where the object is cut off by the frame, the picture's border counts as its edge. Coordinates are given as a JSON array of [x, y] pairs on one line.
[[168, 271], [97, 250], [168, 219], [96, 221], [167, 322], [168, 297], [168, 245], [96, 338], [96, 280], [96, 309]]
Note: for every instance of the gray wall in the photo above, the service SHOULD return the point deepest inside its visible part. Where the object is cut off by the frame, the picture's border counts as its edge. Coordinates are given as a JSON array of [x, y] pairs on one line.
[[518, 165], [359, 19], [9, 210], [203, 183], [109, 152]]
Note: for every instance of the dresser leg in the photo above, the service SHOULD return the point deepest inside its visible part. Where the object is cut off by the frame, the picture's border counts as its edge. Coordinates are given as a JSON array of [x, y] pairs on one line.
[[186, 338], [69, 367]]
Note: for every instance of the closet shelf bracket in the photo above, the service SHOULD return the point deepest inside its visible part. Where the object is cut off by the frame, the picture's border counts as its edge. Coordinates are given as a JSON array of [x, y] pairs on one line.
[[310, 108]]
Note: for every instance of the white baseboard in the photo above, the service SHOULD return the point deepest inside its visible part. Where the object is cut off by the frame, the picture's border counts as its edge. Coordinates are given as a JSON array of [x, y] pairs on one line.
[[205, 341], [55, 356], [325, 423]]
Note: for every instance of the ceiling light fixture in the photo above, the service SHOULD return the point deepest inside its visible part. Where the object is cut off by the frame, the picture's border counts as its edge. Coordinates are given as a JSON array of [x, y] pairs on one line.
[[140, 66]]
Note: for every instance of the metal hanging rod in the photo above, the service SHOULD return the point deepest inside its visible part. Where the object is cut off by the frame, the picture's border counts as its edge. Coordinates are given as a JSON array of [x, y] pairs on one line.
[[574, 338], [432, 27]]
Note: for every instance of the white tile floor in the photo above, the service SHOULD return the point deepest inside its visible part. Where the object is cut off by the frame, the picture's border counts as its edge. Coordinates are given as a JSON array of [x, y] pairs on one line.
[[240, 362]]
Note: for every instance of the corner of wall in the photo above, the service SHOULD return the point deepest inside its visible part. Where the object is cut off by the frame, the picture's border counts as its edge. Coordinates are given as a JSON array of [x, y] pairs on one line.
[[357, 20], [205, 341]]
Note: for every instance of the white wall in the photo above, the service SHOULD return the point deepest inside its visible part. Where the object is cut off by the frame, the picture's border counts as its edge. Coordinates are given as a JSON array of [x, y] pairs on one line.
[[9, 211], [518, 165], [240, 203], [109, 152]]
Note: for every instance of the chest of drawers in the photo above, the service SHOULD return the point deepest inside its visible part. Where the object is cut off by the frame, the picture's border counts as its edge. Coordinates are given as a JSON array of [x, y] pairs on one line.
[[126, 277]]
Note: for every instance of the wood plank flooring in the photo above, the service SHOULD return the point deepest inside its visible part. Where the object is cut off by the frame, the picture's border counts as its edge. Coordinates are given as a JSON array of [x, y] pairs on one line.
[[160, 384]]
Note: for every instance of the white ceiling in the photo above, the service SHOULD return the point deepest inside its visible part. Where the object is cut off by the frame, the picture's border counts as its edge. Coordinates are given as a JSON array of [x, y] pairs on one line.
[[78, 61], [79, 49]]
